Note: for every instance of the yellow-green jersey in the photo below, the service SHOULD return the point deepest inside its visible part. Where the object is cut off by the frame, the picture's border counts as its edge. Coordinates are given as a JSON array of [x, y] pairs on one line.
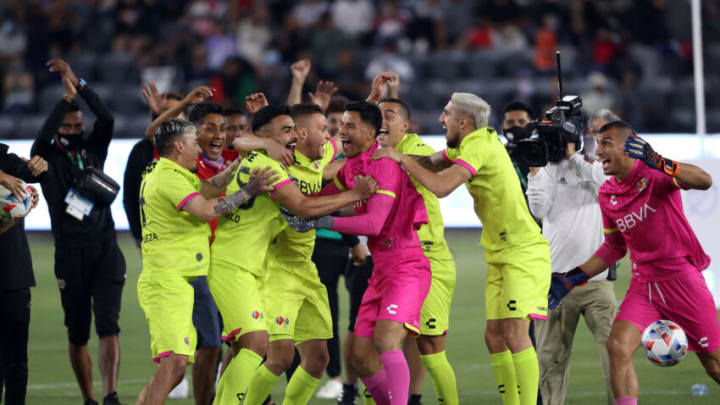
[[498, 198], [174, 241], [293, 246], [243, 235], [432, 234]]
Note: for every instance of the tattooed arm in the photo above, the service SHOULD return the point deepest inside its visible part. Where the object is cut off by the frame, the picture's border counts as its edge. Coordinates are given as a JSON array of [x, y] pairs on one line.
[[434, 163], [214, 186], [208, 210]]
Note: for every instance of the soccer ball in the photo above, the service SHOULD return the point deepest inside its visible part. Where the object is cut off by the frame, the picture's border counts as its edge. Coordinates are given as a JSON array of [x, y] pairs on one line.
[[664, 343], [12, 209]]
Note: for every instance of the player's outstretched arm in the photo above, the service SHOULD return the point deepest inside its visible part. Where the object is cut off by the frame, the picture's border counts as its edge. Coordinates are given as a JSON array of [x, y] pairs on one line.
[[689, 175], [294, 200], [441, 183], [276, 151], [215, 185], [208, 210], [562, 283], [332, 169], [198, 95]]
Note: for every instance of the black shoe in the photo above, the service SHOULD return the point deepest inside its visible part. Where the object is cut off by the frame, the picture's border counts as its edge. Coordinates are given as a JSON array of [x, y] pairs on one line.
[[415, 399], [90, 402], [349, 395], [111, 399]]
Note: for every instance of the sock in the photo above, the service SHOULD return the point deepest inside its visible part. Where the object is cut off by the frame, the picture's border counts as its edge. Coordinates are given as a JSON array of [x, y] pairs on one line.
[[377, 386], [300, 388], [626, 401], [368, 398], [527, 371], [398, 376], [233, 383], [443, 377], [504, 370], [260, 386], [415, 399]]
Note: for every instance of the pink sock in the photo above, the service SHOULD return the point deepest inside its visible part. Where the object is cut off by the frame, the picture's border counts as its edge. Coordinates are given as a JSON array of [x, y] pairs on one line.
[[398, 376], [626, 401], [377, 386]]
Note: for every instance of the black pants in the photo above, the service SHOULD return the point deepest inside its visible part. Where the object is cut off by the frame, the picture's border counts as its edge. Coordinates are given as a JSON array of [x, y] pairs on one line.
[[14, 328], [91, 281], [331, 259]]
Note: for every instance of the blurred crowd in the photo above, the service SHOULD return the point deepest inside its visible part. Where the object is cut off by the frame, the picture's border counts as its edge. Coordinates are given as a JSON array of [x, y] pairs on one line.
[[616, 53]]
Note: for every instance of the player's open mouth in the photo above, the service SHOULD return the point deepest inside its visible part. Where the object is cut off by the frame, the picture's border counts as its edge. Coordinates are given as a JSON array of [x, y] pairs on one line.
[[605, 162], [345, 142], [382, 134], [216, 146], [291, 145]]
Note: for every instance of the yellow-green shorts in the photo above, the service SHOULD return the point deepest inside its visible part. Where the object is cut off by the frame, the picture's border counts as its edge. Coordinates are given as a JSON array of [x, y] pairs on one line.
[[238, 295], [167, 301], [296, 302], [518, 281], [435, 313]]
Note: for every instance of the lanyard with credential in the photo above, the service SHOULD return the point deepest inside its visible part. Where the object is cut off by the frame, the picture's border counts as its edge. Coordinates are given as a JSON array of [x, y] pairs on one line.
[[76, 156]]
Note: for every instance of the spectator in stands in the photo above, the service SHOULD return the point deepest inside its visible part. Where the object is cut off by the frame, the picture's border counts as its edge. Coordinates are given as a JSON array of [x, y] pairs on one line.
[[18, 88], [598, 95], [353, 17], [89, 265]]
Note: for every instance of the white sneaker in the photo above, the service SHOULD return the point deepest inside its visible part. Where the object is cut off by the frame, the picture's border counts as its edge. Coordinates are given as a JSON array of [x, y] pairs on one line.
[[331, 390], [180, 391]]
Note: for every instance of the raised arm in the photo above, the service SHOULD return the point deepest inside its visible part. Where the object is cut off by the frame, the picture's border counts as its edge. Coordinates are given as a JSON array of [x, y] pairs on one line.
[[276, 151], [299, 70], [209, 209], [198, 95], [50, 127]]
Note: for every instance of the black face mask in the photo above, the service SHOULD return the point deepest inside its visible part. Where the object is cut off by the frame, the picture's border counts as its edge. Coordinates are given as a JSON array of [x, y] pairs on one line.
[[514, 134], [70, 141]]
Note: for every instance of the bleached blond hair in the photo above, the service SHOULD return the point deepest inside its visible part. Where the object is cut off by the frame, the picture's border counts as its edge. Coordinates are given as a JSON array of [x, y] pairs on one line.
[[473, 106]]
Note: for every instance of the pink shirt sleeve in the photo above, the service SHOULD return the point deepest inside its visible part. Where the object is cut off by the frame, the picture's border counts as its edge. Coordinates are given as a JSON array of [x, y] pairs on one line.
[[388, 175], [614, 246], [370, 223]]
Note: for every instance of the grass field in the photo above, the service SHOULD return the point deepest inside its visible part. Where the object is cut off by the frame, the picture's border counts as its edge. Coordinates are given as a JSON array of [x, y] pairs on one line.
[[52, 382]]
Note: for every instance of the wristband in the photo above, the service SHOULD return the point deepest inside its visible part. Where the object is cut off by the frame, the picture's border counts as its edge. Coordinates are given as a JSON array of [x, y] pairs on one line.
[[670, 167], [577, 276]]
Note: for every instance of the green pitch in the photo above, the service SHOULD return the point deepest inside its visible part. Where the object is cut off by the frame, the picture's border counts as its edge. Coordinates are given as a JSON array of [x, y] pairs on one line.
[[51, 380]]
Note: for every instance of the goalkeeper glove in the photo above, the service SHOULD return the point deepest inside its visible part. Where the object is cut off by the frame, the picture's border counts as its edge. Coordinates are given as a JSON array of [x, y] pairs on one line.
[[306, 225], [638, 148], [562, 283]]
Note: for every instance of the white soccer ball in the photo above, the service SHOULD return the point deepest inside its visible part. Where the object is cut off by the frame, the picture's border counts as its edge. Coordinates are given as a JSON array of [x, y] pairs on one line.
[[12, 209], [664, 343]]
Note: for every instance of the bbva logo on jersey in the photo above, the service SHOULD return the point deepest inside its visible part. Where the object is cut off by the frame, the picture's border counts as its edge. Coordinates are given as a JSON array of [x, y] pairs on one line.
[[629, 221]]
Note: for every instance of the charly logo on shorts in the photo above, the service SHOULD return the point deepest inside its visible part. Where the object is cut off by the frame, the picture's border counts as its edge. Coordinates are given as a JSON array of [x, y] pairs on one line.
[[282, 322], [257, 315], [392, 309], [61, 283]]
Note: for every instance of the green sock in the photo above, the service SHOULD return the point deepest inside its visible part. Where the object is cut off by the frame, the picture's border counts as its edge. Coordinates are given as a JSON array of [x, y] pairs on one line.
[[261, 386], [504, 370], [443, 377], [368, 398], [528, 375], [233, 383], [300, 388]]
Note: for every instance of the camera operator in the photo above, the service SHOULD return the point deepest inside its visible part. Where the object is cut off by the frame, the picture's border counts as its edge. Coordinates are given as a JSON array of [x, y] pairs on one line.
[[16, 278], [89, 265], [564, 195]]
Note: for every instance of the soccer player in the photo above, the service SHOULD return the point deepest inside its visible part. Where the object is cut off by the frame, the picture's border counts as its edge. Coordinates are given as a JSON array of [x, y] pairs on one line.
[[435, 314], [642, 211], [401, 277], [241, 244], [174, 212], [517, 255], [296, 302]]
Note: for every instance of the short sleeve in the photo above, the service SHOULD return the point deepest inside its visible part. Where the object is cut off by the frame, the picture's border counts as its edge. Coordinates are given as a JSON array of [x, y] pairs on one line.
[[330, 151], [178, 188], [470, 154], [665, 184], [420, 148], [340, 178], [388, 175]]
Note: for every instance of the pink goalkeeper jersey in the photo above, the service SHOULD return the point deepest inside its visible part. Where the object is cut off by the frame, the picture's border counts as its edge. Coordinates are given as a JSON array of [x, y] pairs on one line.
[[644, 212], [398, 235]]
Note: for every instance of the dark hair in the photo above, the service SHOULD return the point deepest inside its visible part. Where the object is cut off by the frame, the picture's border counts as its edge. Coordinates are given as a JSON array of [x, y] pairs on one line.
[[304, 110], [171, 95], [617, 124], [520, 106], [266, 114], [399, 102], [337, 105], [74, 106], [369, 113], [234, 111], [202, 110], [168, 132]]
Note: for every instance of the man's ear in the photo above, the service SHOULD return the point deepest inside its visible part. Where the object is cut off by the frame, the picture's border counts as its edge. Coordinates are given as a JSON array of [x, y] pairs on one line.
[[406, 125], [302, 133]]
